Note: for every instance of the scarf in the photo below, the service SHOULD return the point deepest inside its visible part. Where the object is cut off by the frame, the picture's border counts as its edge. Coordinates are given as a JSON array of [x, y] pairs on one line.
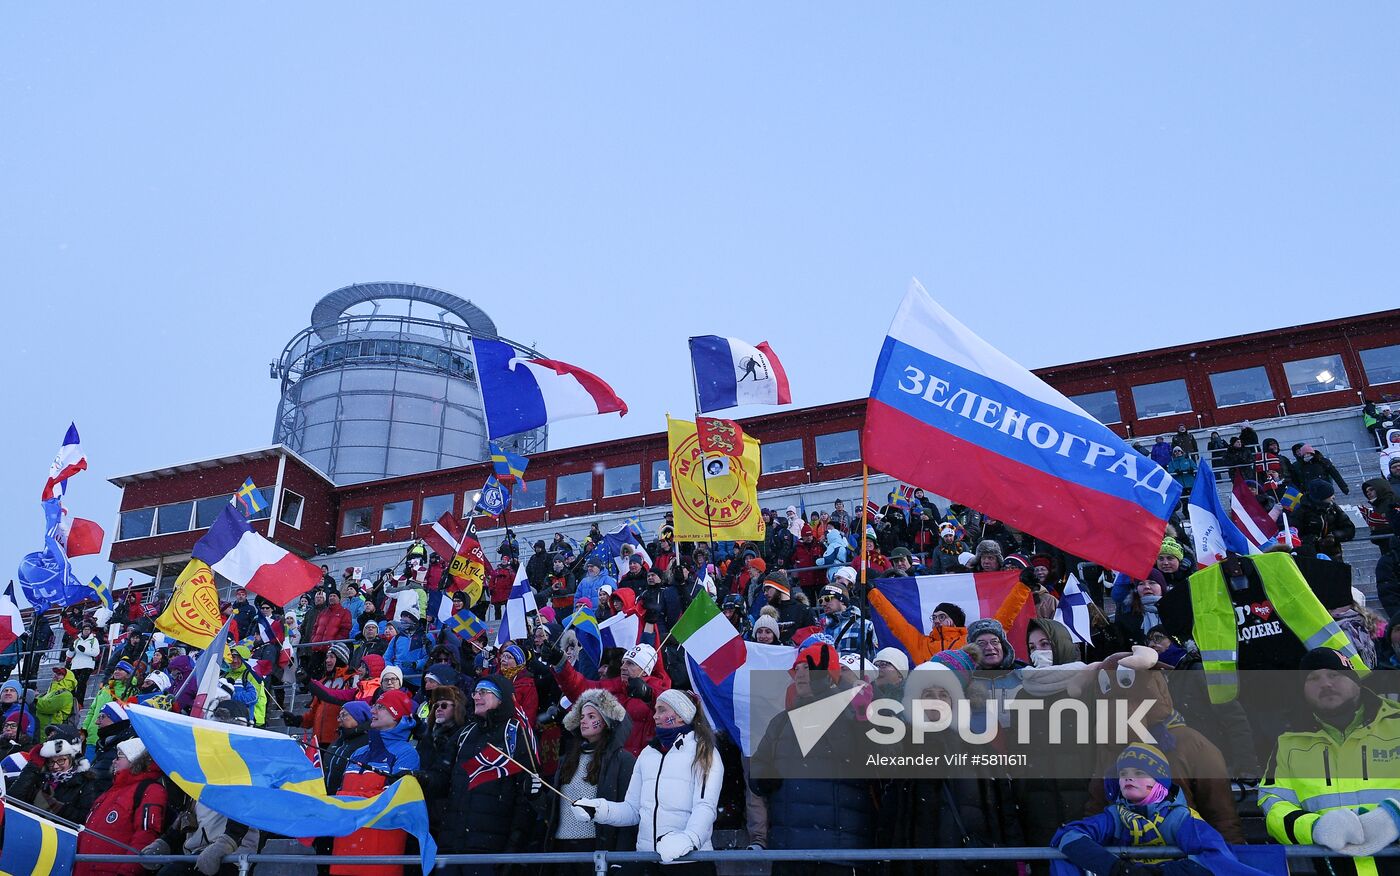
[[56, 779], [1045, 681], [512, 672], [1150, 617], [667, 736]]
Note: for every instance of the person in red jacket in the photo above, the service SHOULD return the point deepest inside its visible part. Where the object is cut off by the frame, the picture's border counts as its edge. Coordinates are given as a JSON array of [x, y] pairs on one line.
[[805, 557], [642, 680], [502, 579], [332, 625], [132, 812]]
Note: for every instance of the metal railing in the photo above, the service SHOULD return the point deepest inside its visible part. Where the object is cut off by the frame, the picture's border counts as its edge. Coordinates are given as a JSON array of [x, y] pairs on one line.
[[601, 860]]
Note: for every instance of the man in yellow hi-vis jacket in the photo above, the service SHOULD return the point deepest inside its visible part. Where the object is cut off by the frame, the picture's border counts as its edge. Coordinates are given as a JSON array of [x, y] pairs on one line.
[[1336, 782]]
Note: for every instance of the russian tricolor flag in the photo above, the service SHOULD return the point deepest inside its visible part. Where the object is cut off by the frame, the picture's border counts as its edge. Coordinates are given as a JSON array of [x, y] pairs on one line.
[[234, 550], [952, 414], [521, 393], [731, 372]]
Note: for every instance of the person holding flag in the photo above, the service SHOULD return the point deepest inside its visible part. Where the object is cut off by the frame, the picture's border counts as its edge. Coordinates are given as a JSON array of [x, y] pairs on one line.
[[488, 795]]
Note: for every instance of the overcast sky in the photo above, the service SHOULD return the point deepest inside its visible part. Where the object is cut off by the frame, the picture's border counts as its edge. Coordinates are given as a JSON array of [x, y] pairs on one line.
[[179, 184]]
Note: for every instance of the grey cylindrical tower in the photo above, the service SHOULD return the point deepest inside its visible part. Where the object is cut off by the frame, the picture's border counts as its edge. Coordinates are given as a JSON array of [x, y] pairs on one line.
[[382, 384]]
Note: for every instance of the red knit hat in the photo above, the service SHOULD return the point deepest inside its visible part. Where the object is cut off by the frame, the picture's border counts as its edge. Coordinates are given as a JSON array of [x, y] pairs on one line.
[[396, 702]]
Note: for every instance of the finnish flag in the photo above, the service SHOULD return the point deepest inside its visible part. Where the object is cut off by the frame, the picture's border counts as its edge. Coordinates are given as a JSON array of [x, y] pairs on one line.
[[731, 372]]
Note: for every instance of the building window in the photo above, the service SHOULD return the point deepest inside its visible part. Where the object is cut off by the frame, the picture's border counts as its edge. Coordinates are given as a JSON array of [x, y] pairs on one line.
[[781, 456], [397, 515], [1241, 387], [436, 506], [522, 499], [1102, 406], [623, 480], [1382, 364], [174, 518], [1161, 399], [136, 524], [1319, 374], [356, 521], [290, 512], [206, 511], [661, 474], [573, 487], [838, 447]]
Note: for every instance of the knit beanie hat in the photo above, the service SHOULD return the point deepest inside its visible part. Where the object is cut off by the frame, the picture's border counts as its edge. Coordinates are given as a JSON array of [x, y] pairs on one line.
[[389, 671], [1325, 658], [896, 658], [397, 703], [958, 661], [1320, 491], [681, 704], [992, 625], [515, 651], [443, 674], [778, 580], [768, 622], [132, 749], [357, 709], [953, 611], [115, 711], [819, 656], [1171, 548], [1149, 759], [341, 652], [125, 666]]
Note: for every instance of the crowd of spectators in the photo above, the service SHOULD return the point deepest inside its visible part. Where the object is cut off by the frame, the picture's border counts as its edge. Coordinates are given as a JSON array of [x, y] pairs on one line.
[[365, 668]]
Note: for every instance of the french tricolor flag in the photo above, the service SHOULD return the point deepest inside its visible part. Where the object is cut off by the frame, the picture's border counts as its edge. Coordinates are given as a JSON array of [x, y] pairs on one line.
[[67, 462], [521, 393], [731, 372], [978, 594], [234, 550], [952, 414]]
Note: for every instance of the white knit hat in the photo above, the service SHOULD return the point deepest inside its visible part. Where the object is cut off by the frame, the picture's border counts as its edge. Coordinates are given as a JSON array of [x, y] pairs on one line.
[[896, 658], [644, 656], [391, 670], [131, 749], [681, 704]]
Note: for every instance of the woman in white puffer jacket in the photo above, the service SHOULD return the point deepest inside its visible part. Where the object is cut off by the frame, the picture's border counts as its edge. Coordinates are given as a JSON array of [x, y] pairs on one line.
[[674, 792]]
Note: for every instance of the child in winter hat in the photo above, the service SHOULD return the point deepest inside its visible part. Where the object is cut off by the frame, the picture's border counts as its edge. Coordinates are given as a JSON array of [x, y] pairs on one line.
[[1145, 809]]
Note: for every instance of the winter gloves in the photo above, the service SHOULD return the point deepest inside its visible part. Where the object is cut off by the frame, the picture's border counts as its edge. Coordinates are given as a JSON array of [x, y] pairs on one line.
[[212, 858], [588, 807], [673, 845], [1380, 827], [1338, 828], [158, 846]]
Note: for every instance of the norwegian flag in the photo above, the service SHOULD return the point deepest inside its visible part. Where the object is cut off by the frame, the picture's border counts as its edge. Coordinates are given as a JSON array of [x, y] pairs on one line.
[[872, 510], [312, 747], [489, 765]]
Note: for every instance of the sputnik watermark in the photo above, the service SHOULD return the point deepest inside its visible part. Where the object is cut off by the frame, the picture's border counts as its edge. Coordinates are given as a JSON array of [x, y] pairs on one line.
[[1111, 722]]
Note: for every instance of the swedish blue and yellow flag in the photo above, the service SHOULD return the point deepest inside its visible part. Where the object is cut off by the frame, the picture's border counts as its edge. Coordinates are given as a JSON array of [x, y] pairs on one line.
[[249, 499], [1290, 498], [590, 639], [36, 845], [99, 587], [466, 624], [264, 780], [510, 467]]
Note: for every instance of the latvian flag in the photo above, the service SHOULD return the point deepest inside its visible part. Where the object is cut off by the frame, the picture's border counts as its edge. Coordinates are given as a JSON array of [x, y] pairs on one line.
[[710, 639], [1250, 516]]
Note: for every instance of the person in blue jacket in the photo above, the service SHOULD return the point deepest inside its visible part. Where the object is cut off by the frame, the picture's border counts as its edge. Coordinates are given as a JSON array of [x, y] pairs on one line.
[[409, 649], [1145, 809], [391, 749]]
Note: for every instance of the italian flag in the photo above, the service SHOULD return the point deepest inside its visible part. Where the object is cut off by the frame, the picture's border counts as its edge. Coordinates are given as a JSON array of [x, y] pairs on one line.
[[709, 639]]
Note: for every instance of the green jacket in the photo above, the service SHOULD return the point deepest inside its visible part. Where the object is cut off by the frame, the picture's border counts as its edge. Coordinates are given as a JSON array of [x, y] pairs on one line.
[[56, 705]]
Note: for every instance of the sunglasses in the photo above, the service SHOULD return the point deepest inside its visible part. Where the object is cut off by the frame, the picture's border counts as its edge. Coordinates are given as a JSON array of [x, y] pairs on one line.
[[443, 706]]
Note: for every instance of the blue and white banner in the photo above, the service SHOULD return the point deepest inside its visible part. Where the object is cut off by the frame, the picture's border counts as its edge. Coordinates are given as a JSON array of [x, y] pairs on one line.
[[1213, 533], [729, 705], [519, 606]]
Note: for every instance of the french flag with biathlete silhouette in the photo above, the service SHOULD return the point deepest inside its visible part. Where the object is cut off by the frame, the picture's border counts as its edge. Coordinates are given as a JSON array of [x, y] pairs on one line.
[[950, 413]]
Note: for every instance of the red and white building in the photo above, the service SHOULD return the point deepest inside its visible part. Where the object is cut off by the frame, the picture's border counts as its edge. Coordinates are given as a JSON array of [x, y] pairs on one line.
[[1300, 384]]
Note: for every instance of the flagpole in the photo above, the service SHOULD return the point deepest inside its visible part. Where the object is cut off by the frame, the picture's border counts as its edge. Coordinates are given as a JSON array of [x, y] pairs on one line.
[[704, 476], [864, 557], [537, 776]]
